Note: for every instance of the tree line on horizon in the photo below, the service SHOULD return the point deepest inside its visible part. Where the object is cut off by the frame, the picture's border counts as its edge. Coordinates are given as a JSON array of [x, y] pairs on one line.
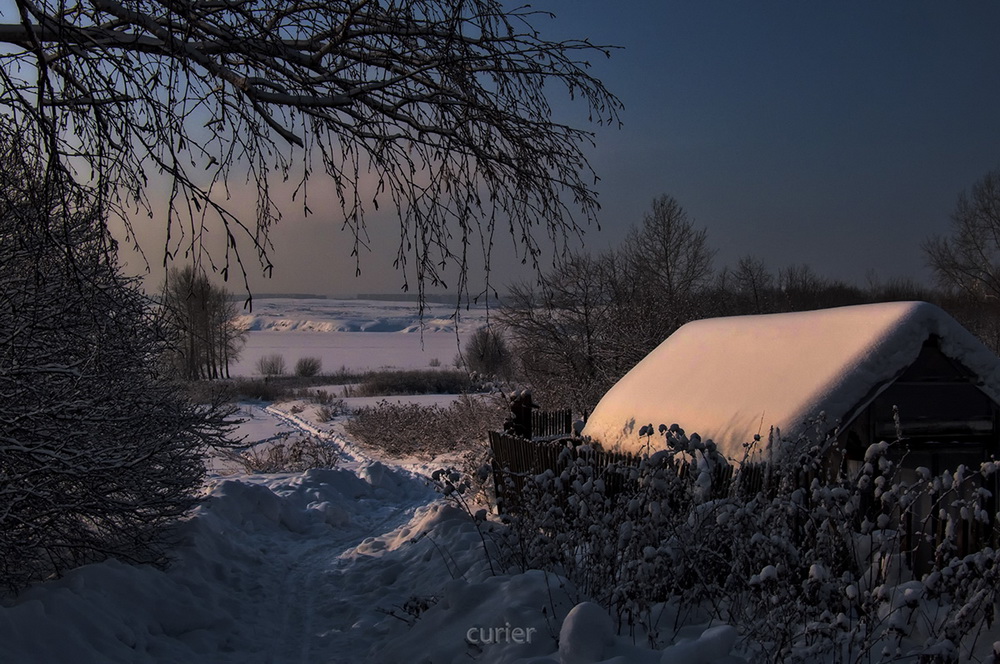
[[592, 317]]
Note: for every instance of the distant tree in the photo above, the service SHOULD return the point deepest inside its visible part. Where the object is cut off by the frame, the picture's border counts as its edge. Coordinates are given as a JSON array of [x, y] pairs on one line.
[[560, 330], [899, 289], [442, 105], [487, 353], [99, 450], [800, 288], [670, 261], [967, 261], [202, 317], [308, 366], [592, 318], [755, 286]]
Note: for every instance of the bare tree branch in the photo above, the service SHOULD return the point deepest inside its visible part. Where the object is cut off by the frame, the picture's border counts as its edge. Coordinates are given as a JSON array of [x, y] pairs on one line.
[[445, 102], [969, 259]]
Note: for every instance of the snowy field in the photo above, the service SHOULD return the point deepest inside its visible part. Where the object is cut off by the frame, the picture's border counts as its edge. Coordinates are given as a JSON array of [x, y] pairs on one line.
[[355, 334]]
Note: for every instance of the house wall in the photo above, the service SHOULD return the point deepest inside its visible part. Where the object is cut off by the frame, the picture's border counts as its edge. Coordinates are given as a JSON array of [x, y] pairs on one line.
[[944, 421]]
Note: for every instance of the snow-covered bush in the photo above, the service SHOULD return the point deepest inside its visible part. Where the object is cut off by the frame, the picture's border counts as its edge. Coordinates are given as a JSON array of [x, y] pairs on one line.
[[99, 452], [807, 560]]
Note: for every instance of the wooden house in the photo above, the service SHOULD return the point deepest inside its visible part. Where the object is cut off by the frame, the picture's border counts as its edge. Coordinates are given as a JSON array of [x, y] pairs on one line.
[[731, 379]]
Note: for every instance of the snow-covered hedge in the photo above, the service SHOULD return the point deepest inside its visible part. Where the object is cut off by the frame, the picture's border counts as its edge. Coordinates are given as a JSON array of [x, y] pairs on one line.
[[99, 451], [804, 559]]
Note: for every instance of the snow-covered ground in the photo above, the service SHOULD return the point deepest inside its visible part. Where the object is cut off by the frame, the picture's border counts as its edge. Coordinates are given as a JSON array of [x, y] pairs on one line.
[[360, 563], [329, 565], [355, 334]]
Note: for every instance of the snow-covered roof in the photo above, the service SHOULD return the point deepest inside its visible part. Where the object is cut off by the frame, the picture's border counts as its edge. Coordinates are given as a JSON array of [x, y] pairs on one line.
[[731, 378]]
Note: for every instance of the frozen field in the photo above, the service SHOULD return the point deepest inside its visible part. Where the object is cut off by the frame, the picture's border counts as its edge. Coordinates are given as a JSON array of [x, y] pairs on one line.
[[354, 334]]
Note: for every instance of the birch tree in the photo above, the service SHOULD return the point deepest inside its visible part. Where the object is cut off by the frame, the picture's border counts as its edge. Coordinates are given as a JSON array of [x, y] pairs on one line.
[[201, 319], [442, 104]]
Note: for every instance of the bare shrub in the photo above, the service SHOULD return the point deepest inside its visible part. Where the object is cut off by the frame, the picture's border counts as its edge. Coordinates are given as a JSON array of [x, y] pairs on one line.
[[243, 389], [288, 455], [323, 397], [384, 383], [308, 367], [332, 409], [408, 429], [487, 353], [276, 387], [271, 365]]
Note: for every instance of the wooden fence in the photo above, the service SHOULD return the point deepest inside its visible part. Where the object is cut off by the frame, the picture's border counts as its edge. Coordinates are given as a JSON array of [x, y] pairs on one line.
[[517, 459], [551, 422]]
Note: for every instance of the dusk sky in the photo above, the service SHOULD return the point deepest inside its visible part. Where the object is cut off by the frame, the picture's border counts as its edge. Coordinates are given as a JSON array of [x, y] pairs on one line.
[[837, 134]]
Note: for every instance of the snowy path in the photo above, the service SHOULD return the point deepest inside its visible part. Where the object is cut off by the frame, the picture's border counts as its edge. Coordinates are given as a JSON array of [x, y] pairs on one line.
[[316, 568], [322, 584], [287, 568], [311, 621]]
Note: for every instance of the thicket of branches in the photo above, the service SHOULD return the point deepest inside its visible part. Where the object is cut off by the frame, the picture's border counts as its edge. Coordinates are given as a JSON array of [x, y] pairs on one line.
[[408, 429], [99, 452], [441, 106], [592, 318]]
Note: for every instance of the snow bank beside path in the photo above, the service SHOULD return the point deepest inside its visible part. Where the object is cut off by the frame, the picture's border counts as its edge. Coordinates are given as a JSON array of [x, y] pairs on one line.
[[259, 576]]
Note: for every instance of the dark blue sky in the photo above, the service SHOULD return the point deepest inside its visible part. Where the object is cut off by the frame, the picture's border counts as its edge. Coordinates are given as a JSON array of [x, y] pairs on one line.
[[837, 134]]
